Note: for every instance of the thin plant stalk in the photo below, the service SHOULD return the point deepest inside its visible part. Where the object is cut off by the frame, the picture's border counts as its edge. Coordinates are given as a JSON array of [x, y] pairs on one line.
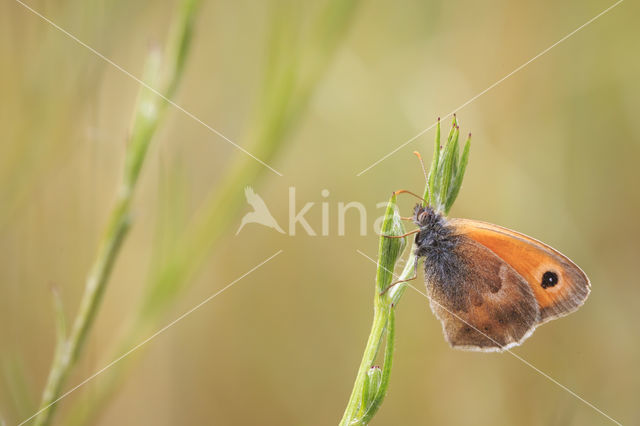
[[149, 113]]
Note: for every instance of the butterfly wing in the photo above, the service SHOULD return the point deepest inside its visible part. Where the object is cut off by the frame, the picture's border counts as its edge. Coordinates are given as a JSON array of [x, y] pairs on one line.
[[559, 285], [482, 302]]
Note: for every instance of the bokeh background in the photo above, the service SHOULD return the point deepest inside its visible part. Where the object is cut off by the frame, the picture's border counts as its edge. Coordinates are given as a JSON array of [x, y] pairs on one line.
[[555, 155]]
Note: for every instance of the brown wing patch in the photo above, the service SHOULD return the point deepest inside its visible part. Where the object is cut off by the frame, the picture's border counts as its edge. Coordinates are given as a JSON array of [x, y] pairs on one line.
[[559, 285], [487, 305]]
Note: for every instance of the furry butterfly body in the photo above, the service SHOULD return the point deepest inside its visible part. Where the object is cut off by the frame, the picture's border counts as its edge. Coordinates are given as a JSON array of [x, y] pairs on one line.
[[490, 286]]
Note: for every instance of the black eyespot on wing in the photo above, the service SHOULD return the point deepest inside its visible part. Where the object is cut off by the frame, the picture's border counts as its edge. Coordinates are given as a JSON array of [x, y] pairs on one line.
[[549, 279]]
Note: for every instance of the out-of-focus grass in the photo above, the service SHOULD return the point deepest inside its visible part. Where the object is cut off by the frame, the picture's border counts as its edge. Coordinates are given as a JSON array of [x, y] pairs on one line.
[[45, 110], [163, 72], [296, 62], [295, 66], [16, 379]]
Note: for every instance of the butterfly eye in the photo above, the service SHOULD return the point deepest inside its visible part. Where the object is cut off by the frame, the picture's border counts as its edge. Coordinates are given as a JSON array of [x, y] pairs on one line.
[[549, 279]]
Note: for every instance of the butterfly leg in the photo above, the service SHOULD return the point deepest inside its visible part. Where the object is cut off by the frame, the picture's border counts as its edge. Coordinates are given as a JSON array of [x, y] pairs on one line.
[[415, 231], [415, 275]]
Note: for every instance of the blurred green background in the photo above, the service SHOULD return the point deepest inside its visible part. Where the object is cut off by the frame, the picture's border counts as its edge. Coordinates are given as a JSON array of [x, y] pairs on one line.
[[554, 154]]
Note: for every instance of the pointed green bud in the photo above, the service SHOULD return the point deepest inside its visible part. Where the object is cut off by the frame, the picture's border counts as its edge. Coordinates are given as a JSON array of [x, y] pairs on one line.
[[371, 387], [390, 249], [447, 169]]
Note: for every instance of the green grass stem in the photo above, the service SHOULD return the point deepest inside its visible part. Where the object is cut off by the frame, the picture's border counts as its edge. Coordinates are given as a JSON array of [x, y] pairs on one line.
[[149, 112]]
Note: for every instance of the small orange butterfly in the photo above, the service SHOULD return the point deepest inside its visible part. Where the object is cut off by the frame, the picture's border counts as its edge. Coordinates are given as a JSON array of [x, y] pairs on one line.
[[492, 286]]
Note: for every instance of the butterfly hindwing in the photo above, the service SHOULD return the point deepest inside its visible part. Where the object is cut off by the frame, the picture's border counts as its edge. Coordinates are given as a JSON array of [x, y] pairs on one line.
[[559, 286], [483, 304]]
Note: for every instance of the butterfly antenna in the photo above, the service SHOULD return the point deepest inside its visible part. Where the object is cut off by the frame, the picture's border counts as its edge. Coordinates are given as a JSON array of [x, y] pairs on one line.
[[424, 172]]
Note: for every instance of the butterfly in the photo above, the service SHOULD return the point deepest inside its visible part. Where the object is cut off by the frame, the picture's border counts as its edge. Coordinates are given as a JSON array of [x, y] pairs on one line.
[[491, 286]]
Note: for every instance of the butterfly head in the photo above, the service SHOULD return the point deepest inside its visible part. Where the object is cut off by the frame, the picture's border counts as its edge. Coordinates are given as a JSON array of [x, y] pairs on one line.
[[427, 218]]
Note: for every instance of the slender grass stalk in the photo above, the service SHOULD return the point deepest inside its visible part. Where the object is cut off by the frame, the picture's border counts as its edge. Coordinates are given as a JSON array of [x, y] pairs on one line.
[[364, 401], [293, 71], [443, 185], [377, 382], [149, 113], [16, 381]]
